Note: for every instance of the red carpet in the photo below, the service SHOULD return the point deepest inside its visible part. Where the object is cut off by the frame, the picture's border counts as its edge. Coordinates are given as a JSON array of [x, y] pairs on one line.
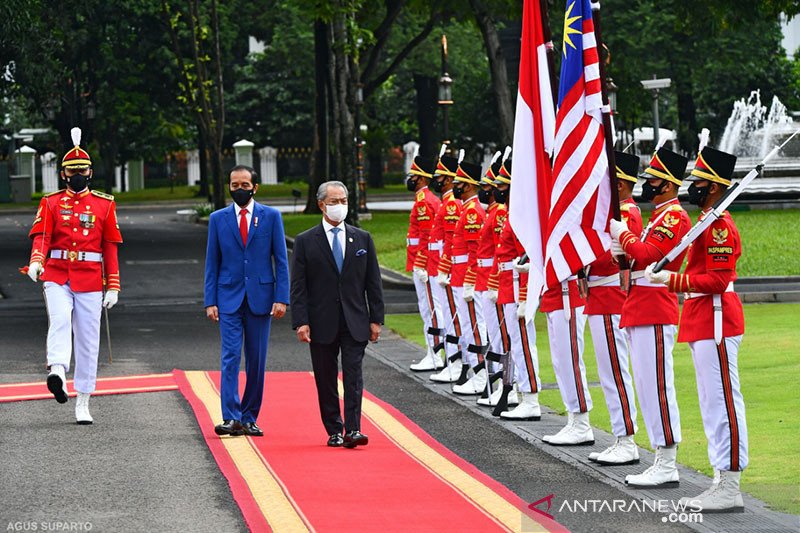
[[15, 392], [403, 480]]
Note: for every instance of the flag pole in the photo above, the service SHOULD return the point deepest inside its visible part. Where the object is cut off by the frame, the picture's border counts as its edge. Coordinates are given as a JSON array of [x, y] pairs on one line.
[[551, 51], [624, 267]]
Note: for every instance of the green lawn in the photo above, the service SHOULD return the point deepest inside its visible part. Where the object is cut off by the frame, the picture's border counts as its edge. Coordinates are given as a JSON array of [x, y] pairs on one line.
[[769, 368]]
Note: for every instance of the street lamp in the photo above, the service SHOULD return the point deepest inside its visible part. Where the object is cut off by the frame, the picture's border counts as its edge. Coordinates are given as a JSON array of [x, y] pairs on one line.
[[360, 130], [655, 85], [445, 90], [611, 92]]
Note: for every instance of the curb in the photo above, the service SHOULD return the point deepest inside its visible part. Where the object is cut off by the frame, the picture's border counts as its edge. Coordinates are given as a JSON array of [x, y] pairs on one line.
[[398, 353]]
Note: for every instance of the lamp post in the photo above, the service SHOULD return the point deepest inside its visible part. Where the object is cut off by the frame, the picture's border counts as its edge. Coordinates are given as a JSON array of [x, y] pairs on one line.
[[445, 91], [360, 130], [655, 85], [611, 92]]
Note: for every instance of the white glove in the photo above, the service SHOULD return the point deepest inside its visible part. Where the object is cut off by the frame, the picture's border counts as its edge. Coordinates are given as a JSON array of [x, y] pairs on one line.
[[443, 279], [35, 269], [616, 248], [469, 292], [492, 295], [521, 308], [656, 277], [111, 299], [521, 268], [616, 227], [421, 274]]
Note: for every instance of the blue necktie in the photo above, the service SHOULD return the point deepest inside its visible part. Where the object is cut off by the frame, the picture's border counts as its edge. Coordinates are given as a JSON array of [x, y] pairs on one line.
[[338, 256]]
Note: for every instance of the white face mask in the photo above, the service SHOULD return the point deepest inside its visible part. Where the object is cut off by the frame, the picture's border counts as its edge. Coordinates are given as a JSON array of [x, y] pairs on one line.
[[336, 212]]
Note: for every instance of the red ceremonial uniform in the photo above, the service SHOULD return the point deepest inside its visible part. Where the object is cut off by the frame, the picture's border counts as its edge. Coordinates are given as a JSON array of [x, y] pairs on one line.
[[426, 205], [464, 250], [508, 249], [608, 299], [710, 268], [450, 214], [72, 225], [490, 235], [648, 305]]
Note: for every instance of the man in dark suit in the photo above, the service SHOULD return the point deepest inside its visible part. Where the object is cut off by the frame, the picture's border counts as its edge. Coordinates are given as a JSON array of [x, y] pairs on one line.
[[246, 283], [337, 306]]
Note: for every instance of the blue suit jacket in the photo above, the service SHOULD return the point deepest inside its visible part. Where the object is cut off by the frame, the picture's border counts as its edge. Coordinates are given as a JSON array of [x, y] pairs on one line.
[[259, 269]]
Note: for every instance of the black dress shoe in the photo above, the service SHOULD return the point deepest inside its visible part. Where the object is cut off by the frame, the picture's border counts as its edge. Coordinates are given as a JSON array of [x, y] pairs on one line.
[[355, 438], [335, 440], [229, 427], [252, 429]]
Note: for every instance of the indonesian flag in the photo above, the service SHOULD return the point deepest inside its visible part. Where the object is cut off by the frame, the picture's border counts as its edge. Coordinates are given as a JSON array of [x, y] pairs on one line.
[[534, 127], [581, 194]]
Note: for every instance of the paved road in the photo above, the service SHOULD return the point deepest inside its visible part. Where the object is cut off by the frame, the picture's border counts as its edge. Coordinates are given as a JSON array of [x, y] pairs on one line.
[[142, 466]]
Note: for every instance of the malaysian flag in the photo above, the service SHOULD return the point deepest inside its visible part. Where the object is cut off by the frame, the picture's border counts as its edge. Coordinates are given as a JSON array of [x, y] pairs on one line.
[[580, 196], [534, 128]]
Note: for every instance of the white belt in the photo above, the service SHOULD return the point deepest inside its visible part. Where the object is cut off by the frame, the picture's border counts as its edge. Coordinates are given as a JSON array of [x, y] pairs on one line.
[[508, 265], [602, 281], [486, 263], [73, 255], [458, 259], [435, 246], [716, 300], [412, 242]]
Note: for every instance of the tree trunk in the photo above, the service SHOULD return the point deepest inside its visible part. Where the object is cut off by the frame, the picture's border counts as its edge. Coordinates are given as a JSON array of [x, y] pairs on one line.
[[687, 122], [202, 150], [497, 66], [321, 148], [219, 179], [375, 171], [344, 89], [426, 89]]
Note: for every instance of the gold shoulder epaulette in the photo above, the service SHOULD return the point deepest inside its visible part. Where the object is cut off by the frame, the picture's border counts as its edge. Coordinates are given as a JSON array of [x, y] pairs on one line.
[[53, 193], [105, 195], [676, 207], [420, 195], [625, 208]]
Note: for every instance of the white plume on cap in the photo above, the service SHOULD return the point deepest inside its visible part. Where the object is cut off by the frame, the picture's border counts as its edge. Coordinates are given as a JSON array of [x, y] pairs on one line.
[[442, 150], [494, 157], [506, 153], [704, 136], [661, 142], [76, 136], [460, 156], [416, 152]]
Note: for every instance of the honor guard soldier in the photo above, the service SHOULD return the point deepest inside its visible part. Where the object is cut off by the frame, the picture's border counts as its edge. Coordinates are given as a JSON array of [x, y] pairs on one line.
[[497, 335], [650, 314], [603, 309], [75, 236], [425, 207], [441, 242], [712, 323], [463, 276], [521, 382]]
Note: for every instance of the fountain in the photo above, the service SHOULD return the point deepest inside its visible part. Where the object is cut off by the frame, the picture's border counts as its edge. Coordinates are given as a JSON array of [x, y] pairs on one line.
[[752, 130]]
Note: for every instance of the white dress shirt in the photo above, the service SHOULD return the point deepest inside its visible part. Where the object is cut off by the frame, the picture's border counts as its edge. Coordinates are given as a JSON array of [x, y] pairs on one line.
[[329, 234], [248, 216]]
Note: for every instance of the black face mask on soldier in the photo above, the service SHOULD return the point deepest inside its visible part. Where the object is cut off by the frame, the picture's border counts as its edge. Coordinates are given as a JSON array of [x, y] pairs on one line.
[[698, 195], [458, 190], [485, 196], [411, 183], [500, 197], [77, 182], [649, 192], [242, 196], [437, 185]]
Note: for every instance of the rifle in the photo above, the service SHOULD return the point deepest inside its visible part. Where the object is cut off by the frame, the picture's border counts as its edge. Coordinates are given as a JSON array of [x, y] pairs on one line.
[[718, 209]]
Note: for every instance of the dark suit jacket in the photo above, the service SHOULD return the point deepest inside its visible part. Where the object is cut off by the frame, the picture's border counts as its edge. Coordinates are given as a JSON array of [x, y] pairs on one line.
[[319, 291]]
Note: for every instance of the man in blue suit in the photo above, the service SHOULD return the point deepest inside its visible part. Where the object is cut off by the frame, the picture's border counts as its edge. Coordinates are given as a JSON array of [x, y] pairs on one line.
[[246, 283]]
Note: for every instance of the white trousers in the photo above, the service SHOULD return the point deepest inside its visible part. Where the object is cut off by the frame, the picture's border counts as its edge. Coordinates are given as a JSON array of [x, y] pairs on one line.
[[74, 314], [721, 401], [611, 350], [428, 310], [473, 327], [496, 333], [566, 352], [522, 335], [651, 360], [447, 305]]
